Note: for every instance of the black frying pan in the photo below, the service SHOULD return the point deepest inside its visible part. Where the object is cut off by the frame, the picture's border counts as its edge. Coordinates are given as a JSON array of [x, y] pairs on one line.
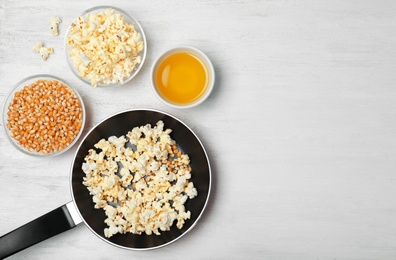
[[81, 209]]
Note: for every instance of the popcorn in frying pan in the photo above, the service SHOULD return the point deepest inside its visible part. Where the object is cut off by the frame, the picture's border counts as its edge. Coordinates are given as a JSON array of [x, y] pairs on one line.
[[190, 190], [141, 181]]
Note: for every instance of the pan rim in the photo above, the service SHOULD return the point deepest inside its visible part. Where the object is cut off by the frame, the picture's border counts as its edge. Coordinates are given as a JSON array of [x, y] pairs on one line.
[[78, 210]]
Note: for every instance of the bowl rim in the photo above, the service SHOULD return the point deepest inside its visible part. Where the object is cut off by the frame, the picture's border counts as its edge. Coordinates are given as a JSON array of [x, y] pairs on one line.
[[131, 20], [201, 55], [10, 96]]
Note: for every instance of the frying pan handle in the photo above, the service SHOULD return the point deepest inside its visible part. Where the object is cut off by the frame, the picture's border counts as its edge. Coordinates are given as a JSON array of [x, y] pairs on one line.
[[46, 226]]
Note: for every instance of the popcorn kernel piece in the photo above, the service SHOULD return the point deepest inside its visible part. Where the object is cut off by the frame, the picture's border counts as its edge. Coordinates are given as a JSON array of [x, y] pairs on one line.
[[147, 194], [37, 47], [103, 47], [54, 23], [45, 52]]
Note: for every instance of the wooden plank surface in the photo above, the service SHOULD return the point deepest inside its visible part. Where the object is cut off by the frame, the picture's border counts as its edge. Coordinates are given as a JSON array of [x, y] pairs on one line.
[[300, 128]]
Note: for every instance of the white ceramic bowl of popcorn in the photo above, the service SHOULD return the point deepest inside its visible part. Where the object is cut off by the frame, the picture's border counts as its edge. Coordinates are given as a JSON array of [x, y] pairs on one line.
[[105, 46]]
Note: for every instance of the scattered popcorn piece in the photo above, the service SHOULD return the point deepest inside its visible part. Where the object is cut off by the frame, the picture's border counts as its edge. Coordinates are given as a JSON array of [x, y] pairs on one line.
[[37, 47], [103, 47], [45, 52], [141, 189], [54, 23]]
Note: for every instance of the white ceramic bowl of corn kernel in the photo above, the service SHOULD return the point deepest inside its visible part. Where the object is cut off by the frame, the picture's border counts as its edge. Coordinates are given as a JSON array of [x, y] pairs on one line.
[[43, 116], [88, 47]]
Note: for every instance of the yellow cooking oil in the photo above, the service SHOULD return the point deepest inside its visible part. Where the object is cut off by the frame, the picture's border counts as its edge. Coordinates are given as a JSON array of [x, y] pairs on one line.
[[181, 78]]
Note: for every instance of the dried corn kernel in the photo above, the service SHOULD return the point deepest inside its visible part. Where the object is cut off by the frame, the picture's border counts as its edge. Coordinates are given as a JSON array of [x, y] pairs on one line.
[[44, 117]]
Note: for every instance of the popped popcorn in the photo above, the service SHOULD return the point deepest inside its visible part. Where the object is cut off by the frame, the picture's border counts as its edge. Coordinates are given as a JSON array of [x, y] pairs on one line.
[[140, 180], [44, 51], [103, 47], [54, 23], [37, 47]]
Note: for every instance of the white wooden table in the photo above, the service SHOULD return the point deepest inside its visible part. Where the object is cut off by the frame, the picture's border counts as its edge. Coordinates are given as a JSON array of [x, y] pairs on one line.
[[300, 128]]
